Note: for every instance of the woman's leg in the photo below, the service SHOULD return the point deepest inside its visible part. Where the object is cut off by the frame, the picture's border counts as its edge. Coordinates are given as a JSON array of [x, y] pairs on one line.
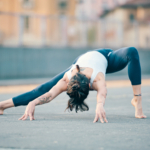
[[25, 98], [137, 101], [118, 60], [5, 104]]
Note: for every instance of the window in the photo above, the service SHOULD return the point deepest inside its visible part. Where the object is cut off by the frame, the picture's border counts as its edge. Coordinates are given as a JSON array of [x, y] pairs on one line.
[[131, 17], [25, 1], [62, 4], [26, 22], [28, 4], [81, 1]]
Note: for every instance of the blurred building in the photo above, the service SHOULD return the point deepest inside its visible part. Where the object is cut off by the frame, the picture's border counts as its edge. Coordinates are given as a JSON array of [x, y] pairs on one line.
[[75, 23], [92, 9], [134, 18], [41, 7], [27, 21]]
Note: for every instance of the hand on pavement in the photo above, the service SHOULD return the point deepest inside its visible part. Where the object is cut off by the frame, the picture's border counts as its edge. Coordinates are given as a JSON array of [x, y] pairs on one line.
[[100, 113], [29, 112]]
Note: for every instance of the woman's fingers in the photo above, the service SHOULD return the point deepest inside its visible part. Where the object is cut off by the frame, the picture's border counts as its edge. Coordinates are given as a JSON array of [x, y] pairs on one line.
[[104, 116], [26, 116], [96, 118], [105, 120], [21, 117], [101, 119], [31, 117]]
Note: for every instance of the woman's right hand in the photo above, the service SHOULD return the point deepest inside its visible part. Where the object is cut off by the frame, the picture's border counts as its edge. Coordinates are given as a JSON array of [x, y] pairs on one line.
[[29, 112]]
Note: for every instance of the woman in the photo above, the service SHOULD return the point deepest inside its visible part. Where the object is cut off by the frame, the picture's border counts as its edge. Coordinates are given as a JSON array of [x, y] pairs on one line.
[[86, 73]]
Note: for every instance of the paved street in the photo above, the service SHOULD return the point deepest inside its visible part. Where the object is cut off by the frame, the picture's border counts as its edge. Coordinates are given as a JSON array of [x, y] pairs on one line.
[[58, 130]]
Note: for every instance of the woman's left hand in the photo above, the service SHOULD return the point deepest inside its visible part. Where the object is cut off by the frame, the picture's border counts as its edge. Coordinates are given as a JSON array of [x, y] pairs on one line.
[[100, 113], [29, 112]]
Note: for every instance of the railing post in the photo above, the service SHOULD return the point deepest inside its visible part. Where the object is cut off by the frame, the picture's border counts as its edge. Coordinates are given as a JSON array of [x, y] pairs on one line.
[[148, 36], [136, 26], [43, 30], [120, 33], [64, 30], [84, 29], [103, 33], [21, 29]]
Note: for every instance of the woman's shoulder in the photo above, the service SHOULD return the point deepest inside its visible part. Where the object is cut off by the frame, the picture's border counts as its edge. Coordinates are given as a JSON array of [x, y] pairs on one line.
[[65, 77]]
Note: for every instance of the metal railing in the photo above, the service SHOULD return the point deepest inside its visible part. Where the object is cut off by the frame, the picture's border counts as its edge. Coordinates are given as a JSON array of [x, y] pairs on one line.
[[53, 31]]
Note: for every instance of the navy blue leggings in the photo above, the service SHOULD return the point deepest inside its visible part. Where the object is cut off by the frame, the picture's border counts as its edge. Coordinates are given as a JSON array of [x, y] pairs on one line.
[[117, 60]]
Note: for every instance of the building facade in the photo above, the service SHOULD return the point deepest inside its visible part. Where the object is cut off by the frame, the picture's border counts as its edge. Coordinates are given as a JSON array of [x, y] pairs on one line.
[[28, 21], [134, 28], [92, 9]]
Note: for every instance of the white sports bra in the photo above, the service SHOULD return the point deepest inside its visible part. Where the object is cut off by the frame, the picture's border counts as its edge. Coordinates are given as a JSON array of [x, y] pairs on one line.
[[94, 60]]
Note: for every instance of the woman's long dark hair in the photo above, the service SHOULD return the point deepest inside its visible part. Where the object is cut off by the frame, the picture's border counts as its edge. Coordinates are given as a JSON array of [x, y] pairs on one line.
[[78, 90]]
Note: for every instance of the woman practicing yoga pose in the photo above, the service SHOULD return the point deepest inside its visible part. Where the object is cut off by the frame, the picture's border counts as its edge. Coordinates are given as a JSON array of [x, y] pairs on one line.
[[86, 73]]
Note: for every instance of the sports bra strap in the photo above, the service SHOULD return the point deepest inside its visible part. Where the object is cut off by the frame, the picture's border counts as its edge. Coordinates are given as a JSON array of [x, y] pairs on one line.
[[69, 72]]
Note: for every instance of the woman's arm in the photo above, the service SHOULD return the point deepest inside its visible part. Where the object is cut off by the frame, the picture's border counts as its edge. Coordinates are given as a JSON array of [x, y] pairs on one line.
[[101, 96], [45, 98], [60, 87]]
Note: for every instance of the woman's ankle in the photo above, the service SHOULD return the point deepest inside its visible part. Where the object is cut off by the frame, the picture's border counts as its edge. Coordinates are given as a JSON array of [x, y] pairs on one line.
[[1, 108], [6, 104], [1, 105], [137, 98], [137, 102]]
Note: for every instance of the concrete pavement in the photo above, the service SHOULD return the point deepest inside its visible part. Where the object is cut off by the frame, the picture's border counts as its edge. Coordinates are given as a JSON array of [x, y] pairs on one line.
[[58, 130]]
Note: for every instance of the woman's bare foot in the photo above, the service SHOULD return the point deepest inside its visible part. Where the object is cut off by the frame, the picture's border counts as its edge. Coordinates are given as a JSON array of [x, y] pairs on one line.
[[137, 103]]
